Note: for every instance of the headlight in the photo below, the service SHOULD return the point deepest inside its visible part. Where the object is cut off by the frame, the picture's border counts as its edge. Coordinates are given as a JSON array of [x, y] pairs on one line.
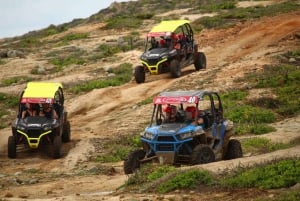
[[21, 127], [163, 56], [46, 127], [148, 135], [186, 135], [143, 58]]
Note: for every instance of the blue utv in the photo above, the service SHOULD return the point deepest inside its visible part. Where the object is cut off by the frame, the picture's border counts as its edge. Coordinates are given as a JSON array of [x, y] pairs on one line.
[[186, 127]]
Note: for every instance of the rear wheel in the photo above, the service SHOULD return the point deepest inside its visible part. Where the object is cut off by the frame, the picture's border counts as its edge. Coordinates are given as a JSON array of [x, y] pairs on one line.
[[66, 135], [202, 154], [200, 61], [12, 147], [133, 161], [175, 69], [139, 74], [234, 150], [57, 146]]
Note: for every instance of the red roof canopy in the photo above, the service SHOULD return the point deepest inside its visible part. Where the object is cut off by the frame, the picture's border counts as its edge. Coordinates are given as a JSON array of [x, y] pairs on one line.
[[37, 100], [175, 99]]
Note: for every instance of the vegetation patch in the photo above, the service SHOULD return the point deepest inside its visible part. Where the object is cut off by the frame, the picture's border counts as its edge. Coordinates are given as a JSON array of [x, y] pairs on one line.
[[186, 180], [225, 19], [123, 22], [257, 145], [16, 80], [285, 81], [164, 179], [280, 174], [254, 115], [62, 60], [118, 148], [74, 36], [6, 103], [123, 74], [247, 118], [145, 101]]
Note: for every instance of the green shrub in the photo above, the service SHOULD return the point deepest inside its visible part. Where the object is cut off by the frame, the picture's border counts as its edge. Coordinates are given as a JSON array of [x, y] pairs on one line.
[[285, 81], [118, 153], [282, 174], [123, 22], [160, 172], [29, 42], [145, 101], [212, 7], [123, 75], [119, 148], [261, 145], [186, 180], [74, 36], [16, 80], [8, 100], [235, 95], [62, 62], [249, 114], [224, 19]]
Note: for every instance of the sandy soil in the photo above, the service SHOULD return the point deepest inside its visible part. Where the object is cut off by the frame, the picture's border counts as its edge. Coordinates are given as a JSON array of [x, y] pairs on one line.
[[230, 54]]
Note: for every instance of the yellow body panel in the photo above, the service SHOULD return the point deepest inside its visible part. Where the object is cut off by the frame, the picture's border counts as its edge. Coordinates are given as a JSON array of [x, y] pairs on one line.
[[41, 89], [33, 142], [169, 25]]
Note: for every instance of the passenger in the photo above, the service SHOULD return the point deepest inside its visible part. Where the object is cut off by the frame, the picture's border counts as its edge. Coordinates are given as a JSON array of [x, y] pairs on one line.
[[170, 112], [29, 111], [162, 43], [48, 112], [190, 113], [154, 43], [176, 42]]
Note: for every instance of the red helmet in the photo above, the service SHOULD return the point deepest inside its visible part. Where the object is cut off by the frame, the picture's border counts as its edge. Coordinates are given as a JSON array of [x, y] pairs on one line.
[[170, 111], [190, 112]]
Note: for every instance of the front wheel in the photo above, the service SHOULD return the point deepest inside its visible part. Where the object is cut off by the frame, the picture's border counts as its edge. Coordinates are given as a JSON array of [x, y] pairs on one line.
[[175, 69], [133, 161], [139, 74], [57, 146], [202, 154], [66, 135], [200, 61], [12, 147]]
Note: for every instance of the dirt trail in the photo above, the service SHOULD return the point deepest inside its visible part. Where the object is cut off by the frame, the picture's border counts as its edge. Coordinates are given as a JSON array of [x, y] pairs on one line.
[[232, 52]]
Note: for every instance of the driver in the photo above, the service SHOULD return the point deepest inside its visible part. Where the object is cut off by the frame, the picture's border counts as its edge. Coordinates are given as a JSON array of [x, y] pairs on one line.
[[170, 112]]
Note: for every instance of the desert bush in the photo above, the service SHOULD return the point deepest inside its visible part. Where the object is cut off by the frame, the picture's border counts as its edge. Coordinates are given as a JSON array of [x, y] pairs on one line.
[[123, 74], [16, 80], [285, 81], [224, 19], [160, 172], [186, 180], [261, 145], [64, 61], [74, 36], [123, 22], [6, 103], [280, 174], [119, 148]]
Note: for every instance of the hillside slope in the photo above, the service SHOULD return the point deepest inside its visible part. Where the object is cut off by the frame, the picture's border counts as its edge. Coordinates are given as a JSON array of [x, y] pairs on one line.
[[113, 112]]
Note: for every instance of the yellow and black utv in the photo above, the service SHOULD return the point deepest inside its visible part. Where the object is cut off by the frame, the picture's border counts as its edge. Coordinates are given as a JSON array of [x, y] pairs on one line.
[[35, 130], [170, 46]]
